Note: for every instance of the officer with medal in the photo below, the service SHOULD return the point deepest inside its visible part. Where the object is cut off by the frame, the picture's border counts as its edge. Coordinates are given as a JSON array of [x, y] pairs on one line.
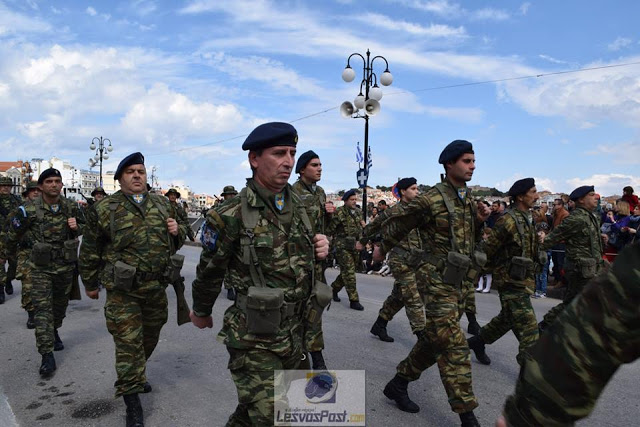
[[128, 247], [265, 241]]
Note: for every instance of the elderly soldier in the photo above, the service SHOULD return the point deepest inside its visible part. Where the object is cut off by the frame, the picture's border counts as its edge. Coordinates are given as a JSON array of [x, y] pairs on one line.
[[49, 227], [98, 194], [450, 221], [346, 225], [177, 211], [319, 211], [581, 233], [127, 247], [29, 194], [264, 239], [567, 369], [403, 260], [512, 249], [8, 203]]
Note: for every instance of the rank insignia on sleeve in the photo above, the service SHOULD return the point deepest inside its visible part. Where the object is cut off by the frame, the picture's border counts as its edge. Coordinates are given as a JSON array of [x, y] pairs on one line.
[[208, 237]]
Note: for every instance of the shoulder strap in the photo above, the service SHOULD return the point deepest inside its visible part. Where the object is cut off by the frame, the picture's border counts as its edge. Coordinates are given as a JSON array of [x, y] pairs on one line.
[[302, 211], [452, 216], [519, 227], [113, 205], [250, 217]]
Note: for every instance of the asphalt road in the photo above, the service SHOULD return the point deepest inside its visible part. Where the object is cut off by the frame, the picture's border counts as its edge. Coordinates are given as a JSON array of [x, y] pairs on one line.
[[192, 386]]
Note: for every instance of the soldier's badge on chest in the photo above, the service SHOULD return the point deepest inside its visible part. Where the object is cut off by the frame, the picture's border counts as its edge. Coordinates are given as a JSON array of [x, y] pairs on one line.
[[462, 193], [138, 198], [279, 201], [55, 208]]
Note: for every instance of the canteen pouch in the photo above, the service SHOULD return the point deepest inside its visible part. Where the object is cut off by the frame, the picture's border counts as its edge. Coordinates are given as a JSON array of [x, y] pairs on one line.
[[479, 261], [124, 276], [41, 254], [321, 295], [519, 267], [543, 258], [456, 268], [176, 261], [263, 310], [587, 267], [70, 250]]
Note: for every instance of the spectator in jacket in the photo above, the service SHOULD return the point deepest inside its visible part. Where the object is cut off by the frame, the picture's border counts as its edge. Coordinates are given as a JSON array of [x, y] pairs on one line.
[[629, 197]]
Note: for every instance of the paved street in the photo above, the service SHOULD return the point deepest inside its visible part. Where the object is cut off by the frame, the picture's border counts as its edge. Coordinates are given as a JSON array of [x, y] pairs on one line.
[[191, 386]]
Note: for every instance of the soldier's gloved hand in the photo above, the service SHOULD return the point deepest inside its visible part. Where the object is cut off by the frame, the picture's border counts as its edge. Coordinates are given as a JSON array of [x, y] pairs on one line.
[[172, 226], [92, 294], [201, 322], [321, 246], [378, 254], [73, 224]]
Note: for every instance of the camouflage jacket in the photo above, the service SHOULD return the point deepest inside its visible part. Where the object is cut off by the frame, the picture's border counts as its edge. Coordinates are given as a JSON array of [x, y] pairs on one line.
[[8, 203], [140, 239], [581, 233], [505, 242], [314, 199], [178, 211], [413, 240], [346, 224], [26, 228], [283, 245], [373, 230]]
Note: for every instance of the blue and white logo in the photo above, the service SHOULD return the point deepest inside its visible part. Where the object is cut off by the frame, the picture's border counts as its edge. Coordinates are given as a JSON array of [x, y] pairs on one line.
[[321, 387]]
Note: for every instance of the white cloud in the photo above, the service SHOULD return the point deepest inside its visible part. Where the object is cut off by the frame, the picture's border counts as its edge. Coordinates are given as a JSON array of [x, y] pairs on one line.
[[552, 59], [619, 43], [16, 23], [524, 8], [489, 14], [437, 7], [621, 153], [91, 11], [433, 30], [606, 184]]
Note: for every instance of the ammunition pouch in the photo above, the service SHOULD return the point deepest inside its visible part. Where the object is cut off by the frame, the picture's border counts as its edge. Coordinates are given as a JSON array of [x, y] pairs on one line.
[[124, 276], [176, 261], [543, 258], [587, 267], [479, 260], [455, 268], [70, 250], [263, 310], [321, 295], [41, 254], [519, 267]]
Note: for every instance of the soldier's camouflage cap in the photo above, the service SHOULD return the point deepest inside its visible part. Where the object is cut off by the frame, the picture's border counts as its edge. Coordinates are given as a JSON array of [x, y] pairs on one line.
[[98, 190], [581, 192], [31, 185], [173, 191], [5, 180], [454, 150], [271, 134], [229, 189]]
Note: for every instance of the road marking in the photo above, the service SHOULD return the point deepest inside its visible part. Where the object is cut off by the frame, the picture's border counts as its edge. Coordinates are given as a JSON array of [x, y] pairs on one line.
[[7, 417]]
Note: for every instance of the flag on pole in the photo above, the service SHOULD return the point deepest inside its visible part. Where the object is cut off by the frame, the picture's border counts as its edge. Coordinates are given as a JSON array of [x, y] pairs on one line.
[[369, 161], [359, 157]]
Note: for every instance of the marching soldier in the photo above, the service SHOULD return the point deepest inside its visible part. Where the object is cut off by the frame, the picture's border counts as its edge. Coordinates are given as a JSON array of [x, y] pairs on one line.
[[229, 192], [128, 247], [581, 233], [49, 227], [23, 274], [8, 203], [264, 239], [512, 248], [178, 211], [451, 223], [346, 225], [98, 194]]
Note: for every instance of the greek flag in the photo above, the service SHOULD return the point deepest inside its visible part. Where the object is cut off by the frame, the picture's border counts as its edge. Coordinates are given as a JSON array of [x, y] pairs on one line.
[[369, 161], [359, 157]]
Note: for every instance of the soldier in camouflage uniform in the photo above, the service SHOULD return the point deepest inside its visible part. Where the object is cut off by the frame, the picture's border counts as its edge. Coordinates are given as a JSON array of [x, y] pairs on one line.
[[581, 233], [512, 250], [565, 372], [404, 260], [228, 192], [319, 211], [178, 211], [346, 225], [129, 239], [450, 221], [98, 194], [8, 203], [264, 240], [49, 227]]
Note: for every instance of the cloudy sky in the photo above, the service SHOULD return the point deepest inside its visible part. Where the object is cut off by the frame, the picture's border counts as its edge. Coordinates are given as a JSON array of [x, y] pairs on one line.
[[185, 81]]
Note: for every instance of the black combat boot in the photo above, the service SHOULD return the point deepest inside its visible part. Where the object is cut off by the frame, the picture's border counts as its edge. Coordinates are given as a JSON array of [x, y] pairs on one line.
[[48, 364], [474, 326], [469, 419], [57, 342], [355, 305], [31, 321], [542, 326], [8, 288], [396, 389], [336, 298], [380, 330], [476, 343], [317, 361], [135, 418], [231, 294], [2, 294]]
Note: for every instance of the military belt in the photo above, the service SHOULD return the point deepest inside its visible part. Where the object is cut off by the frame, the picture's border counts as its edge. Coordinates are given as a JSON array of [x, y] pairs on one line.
[[145, 276], [288, 309]]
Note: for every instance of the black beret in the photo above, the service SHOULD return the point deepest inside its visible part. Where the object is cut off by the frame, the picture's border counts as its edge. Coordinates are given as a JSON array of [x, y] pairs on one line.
[[581, 192], [304, 159], [521, 186], [454, 150], [131, 159], [48, 174], [348, 194], [405, 183], [271, 135]]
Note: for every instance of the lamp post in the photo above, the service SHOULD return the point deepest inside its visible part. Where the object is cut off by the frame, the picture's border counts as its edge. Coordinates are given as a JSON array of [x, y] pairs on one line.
[[367, 101], [102, 152]]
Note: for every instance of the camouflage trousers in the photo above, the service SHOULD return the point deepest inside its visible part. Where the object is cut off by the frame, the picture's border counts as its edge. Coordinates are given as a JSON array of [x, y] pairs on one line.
[[347, 260], [50, 298], [407, 292], [516, 315], [444, 344], [575, 286], [470, 302], [135, 324], [313, 337], [10, 273], [252, 372], [24, 275]]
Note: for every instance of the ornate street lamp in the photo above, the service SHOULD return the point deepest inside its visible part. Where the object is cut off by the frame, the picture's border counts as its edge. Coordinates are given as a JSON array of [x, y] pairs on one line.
[[366, 101], [102, 153]]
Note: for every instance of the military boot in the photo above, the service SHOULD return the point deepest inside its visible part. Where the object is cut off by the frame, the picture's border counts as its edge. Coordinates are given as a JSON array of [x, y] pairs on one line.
[[317, 361], [380, 330], [474, 326], [135, 417], [57, 342], [2, 294], [476, 343], [468, 419], [396, 389], [542, 326], [31, 320], [8, 288], [355, 305], [336, 298], [48, 364]]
